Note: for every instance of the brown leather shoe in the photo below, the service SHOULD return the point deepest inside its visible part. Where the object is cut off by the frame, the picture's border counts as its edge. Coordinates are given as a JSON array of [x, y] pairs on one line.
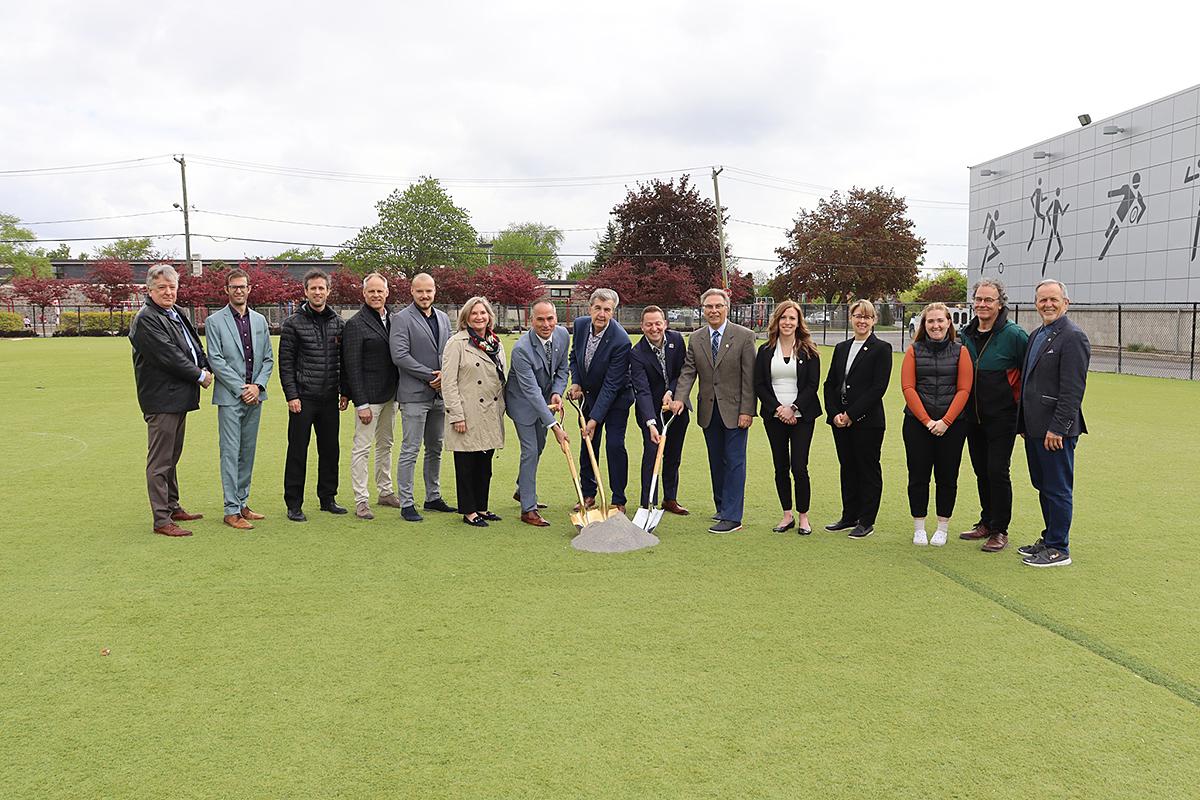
[[590, 502], [535, 519], [620, 508], [389, 500], [995, 543], [980, 531], [237, 521], [179, 515], [674, 507], [251, 515], [517, 497], [171, 529]]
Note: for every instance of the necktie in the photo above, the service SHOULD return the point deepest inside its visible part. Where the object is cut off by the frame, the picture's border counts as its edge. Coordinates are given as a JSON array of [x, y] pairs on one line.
[[661, 355], [716, 345], [549, 348]]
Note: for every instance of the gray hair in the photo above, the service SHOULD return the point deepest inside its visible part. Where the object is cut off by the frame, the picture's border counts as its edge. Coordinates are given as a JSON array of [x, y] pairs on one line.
[[1051, 281], [464, 313], [995, 284], [604, 294], [161, 271], [708, 292], [370, 275]]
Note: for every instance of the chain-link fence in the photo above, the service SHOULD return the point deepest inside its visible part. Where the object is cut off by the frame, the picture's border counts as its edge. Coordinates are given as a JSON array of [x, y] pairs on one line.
[[1157, 340]]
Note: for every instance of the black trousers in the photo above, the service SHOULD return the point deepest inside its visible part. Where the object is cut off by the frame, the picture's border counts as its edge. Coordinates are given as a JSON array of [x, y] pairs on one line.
[[473, 480], [320, 414], [672, 455], [789, 452], [991, 445], [858, 452], [936, 456]]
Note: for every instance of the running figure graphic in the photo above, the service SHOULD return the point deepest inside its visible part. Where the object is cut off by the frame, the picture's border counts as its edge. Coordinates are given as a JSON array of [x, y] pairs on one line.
[[1132, 205], [1054, 213], [1036, 199], [1188, 178], [992, 235]]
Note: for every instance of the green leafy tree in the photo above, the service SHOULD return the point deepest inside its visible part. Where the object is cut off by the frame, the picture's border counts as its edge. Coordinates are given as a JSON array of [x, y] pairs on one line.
[[18, 251], [603, 247], [296, 254], [60, 253], [419, 228], [579, 270], [532, 244], [947, 285], [130, 250], [857, 245]]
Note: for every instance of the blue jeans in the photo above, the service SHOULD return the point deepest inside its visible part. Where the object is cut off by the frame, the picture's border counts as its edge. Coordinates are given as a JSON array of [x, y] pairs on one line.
[[1052, 473]]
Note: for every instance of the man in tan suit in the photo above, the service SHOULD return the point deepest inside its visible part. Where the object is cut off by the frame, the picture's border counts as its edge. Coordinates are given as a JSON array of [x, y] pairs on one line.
[[721, 355]]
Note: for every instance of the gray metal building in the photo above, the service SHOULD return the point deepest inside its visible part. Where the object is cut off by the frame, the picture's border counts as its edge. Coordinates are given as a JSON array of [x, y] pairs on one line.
[[1112, 209]]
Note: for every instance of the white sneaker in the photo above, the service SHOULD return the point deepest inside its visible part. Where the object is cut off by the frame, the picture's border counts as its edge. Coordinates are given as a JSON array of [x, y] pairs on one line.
[[920, 538], [938, 539]]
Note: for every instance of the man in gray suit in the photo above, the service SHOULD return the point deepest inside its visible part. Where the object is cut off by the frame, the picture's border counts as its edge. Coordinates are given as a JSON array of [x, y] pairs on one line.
[[418, 337], [537, 378], [239, 351], [721, 357]]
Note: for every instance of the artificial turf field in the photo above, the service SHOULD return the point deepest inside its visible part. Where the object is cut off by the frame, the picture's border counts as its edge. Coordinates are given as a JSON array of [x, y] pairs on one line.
[[342, 658]]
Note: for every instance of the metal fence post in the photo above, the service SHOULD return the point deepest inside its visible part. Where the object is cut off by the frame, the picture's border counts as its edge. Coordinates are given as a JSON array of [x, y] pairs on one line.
[[1192, 359], [1119, 339], [825, 335]]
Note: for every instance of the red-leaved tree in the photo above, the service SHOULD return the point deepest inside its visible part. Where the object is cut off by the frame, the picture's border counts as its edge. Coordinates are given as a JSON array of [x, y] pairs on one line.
[[454, 284], [110, 283], [206, 289], [41, 293], [509, 283], [345, 288], [270, 285]]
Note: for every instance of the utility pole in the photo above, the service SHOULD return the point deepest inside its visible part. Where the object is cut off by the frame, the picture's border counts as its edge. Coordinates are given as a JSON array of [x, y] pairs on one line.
[[720, 227], [187, 228]]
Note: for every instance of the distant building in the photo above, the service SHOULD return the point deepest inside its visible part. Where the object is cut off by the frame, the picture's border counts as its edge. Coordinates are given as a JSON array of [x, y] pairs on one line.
[[1112, 209]]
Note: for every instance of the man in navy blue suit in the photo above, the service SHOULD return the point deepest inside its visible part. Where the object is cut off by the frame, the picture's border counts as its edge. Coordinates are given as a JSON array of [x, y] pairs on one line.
[[600, 375], [654, 366]]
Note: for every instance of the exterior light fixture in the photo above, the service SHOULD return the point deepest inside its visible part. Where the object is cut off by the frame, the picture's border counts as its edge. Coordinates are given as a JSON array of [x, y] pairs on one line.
[[987, 173], [1110, 130], [1040, 154], [1085, 120]]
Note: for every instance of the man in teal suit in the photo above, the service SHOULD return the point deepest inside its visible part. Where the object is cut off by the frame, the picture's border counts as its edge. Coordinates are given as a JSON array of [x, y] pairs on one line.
[[239, 346]]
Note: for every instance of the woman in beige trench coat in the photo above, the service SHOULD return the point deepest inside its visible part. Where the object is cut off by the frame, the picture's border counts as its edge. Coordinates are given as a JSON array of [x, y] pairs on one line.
[[473, 374]]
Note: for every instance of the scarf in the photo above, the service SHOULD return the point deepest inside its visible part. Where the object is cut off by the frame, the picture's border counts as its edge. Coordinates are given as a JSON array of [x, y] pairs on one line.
[[489, 343]]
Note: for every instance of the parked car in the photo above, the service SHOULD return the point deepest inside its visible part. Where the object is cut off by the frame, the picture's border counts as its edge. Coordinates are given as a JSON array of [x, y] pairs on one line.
[[959, 315]]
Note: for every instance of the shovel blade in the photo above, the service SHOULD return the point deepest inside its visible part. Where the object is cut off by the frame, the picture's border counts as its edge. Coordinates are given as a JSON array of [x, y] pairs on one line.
[[655, 517], [642, 518]]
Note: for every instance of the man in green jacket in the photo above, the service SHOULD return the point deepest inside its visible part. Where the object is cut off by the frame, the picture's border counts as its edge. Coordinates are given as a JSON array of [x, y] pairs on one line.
[[997, 347]]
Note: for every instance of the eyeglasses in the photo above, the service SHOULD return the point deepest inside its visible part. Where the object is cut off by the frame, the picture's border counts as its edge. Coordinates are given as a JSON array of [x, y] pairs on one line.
[[234, 288], [864, 316], [986, 301]]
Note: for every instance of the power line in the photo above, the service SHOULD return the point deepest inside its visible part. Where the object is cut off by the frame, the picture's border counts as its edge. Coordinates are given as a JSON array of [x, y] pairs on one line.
[[99, 166], [94, 219]]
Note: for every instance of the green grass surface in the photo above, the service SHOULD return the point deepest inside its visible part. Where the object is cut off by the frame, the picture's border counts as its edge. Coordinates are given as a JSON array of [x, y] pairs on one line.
[[358, 659]]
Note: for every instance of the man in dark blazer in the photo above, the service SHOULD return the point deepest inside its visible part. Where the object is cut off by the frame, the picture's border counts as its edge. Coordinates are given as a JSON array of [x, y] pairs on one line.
[[419, 333], [654, 366], [720, 356], [600, 374], [1051, 419], [371, 378], [537, 379], [169, 367]]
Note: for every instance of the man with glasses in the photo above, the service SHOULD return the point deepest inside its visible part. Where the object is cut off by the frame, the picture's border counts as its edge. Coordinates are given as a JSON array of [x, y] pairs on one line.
[[239, 349], [997, 347], [169, 367], [720, 356]]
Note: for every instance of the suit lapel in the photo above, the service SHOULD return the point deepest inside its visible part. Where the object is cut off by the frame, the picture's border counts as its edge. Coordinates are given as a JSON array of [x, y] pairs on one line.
[[858, 359], [1050, 336], [424, 324]]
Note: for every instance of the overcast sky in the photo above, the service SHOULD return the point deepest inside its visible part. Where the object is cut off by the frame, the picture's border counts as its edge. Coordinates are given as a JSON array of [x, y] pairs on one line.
[[901, 95]]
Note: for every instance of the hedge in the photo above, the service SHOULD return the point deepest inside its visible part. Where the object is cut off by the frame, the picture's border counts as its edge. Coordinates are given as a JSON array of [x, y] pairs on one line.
[[95, 323], [11, 322]]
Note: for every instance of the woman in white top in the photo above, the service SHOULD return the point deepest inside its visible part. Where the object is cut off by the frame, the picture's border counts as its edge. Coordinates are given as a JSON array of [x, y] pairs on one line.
[[787, 370]]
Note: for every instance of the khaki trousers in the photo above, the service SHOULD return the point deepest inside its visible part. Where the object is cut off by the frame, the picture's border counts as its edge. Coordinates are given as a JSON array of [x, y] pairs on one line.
[[381, 431]]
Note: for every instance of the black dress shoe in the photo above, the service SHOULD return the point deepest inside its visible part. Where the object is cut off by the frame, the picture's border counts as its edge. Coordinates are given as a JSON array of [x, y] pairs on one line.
[[805, 531], [841, 525], [725, 526], [440, 505], [784, 528], [862, 531], [478, 522], [517, 497], [489, 516], [333, 508], [410, 514], [296, 515]]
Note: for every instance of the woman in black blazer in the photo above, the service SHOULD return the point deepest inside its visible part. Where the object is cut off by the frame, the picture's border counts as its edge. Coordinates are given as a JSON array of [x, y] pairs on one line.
[[786, 372], [854, 405]]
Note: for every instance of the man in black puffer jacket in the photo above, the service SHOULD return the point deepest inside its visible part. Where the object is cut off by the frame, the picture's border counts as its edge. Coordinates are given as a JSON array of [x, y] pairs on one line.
[[310, 370], [997, 347]]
